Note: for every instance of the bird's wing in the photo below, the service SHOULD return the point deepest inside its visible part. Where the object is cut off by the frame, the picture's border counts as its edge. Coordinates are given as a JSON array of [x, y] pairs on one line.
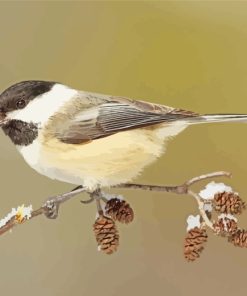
[[108, 115]]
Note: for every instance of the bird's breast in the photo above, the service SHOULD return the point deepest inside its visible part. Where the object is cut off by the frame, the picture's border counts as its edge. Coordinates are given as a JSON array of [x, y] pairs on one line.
[[107, 161]]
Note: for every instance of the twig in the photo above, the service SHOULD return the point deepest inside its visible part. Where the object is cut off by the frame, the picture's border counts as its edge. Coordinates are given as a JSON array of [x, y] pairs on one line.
[[179, 189], [183, 189], [50, 207], [208, 176], [46, 208], [201, 209]]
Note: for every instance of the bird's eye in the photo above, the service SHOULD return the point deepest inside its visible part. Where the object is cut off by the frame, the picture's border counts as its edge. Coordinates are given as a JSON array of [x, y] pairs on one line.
[[20, 104]]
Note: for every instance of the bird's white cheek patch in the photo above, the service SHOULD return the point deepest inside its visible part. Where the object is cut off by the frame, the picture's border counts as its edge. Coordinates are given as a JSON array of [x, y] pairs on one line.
[[41, 108]]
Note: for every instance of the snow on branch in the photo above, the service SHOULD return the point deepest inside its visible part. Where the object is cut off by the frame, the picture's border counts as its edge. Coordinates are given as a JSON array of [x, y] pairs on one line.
[[217, 205]]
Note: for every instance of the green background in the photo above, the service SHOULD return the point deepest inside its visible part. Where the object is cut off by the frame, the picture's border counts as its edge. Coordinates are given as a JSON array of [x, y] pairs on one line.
[[191, 55]]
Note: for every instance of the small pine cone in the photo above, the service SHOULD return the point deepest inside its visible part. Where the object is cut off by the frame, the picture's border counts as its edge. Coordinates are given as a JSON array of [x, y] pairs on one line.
[[239, 238], [228, 203], [106, 234], [225, 226], [193, 244], [119, 210]]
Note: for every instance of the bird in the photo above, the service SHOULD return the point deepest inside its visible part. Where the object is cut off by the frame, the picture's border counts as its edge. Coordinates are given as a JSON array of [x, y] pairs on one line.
[[90, 139]]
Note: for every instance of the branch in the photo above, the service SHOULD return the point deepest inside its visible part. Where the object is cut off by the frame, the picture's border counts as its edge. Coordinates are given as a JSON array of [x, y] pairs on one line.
[[183, 189], [201, 209], [51, 206], [178, 189]]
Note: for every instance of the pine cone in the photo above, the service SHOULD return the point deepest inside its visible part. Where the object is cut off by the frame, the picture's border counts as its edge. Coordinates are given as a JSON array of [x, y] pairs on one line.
[[106, 234], [193, 244], [119, 210], [239, 238], [225, 226], [228, 203]]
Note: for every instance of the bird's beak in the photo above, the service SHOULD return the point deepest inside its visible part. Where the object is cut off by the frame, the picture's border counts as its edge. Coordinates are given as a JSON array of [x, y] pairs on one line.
[[2, 118]]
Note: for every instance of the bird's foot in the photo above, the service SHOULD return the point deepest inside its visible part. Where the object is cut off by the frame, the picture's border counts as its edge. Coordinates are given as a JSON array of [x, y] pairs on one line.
[[91, 199], [51, 205], [51, 209], [95, 195]]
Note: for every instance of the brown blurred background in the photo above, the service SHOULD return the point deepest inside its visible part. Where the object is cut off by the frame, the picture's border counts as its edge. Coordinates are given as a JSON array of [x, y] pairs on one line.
[[191, 55]]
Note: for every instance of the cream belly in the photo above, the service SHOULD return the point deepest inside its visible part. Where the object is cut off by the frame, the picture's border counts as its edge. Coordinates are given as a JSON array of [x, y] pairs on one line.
[[103, 162]]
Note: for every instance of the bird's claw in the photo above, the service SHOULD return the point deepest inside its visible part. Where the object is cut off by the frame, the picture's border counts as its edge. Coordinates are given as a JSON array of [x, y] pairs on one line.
[[91, 199], [51, 209]]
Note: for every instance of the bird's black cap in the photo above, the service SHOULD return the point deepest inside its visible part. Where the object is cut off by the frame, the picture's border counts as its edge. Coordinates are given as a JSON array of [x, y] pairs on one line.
[[25, 90], [17, 97]]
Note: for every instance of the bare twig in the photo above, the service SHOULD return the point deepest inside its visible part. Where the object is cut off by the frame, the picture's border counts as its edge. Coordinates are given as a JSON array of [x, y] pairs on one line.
[[179, 189], [46, 208], [183, 189], [201, 209], [51, 206], [207, 176]]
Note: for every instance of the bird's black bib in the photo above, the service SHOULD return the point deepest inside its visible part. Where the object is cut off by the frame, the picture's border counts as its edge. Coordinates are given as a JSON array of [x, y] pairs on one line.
[[20, 132]]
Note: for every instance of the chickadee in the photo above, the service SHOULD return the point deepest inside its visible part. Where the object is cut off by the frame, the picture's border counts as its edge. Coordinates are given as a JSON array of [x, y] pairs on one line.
[[90, 139]]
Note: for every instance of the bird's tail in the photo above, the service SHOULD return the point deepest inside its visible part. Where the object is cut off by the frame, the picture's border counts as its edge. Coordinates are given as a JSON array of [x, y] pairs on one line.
[[210, 118]]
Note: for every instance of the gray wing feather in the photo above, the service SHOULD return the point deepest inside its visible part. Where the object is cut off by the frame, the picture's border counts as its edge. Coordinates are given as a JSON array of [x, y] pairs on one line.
[[121, 117], [116, 115]]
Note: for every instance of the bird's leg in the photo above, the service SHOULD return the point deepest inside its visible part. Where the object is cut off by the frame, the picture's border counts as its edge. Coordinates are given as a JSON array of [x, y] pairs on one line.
[[51, 205], [91, 199], [97, 196]]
